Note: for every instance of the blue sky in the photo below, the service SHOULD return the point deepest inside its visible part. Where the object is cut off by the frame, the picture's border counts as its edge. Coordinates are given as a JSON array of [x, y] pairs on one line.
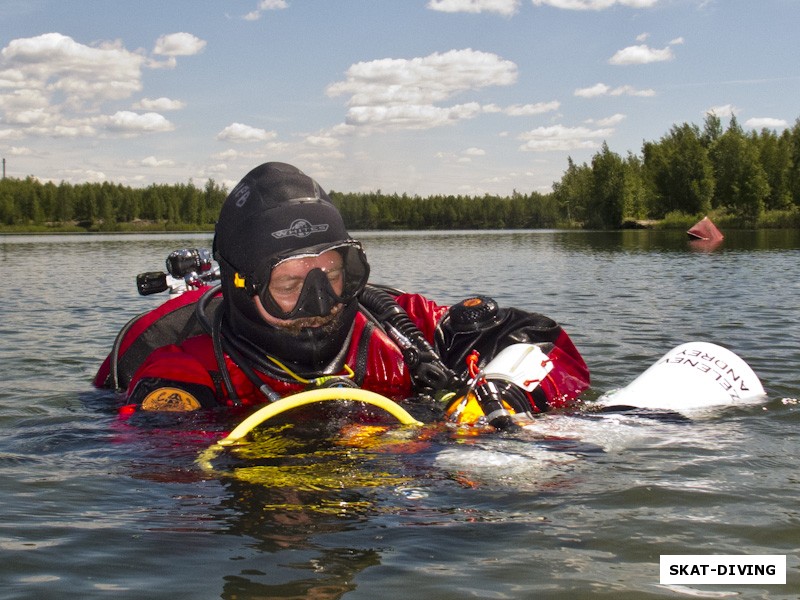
[[415, 96]]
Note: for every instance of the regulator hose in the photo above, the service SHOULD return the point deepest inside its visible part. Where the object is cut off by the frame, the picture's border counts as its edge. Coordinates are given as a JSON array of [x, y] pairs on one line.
[[427, 369], [220, 344]]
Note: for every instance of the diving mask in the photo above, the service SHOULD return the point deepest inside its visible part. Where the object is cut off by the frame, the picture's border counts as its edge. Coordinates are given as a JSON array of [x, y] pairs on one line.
[[309, 283]]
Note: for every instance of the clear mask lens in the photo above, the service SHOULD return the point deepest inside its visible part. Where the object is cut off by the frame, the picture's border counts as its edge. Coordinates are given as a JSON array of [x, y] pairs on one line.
[[312, 283]]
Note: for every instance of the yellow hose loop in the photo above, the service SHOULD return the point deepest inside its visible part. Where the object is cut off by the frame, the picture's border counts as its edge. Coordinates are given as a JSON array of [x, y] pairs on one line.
[[319, 395]]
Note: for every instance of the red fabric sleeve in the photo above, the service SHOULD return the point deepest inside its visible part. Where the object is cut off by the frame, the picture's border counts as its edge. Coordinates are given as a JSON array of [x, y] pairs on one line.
[[172, 367], [425, 313]]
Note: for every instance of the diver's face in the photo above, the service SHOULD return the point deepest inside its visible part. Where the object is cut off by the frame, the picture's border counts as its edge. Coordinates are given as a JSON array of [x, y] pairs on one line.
[[287, 280]]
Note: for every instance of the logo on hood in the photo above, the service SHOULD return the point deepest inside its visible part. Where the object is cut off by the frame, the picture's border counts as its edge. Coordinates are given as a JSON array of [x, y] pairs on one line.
[[300, 228], [241, 192]]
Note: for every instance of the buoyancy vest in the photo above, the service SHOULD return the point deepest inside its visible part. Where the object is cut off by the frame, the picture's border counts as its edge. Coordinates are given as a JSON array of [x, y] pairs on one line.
[[172, 322], [167, 348], [165, 355]]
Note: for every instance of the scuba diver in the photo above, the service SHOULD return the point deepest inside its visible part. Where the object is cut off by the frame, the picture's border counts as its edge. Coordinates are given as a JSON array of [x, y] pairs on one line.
[[294, 310]]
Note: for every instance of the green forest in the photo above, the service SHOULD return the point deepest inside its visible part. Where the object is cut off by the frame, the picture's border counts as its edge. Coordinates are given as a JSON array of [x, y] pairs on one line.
[[741, 179]]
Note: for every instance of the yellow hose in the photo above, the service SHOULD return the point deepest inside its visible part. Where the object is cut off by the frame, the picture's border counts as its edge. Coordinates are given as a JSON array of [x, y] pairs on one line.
[[319, 395]]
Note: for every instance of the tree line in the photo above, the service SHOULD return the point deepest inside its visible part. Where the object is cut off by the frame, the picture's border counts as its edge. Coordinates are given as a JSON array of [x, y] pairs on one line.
[[744, 179], [28, 203], [748, 179]]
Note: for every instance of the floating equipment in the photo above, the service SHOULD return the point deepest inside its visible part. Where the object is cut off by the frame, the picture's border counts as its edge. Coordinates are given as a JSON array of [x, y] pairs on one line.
[[705, 230], [692, 376]]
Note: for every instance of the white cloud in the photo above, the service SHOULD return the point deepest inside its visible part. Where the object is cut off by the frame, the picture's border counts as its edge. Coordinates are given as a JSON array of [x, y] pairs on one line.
[[54, 63], [404, 92], [22, 100], [474, 152], [643, 54], [509, 7], [503, 7], [601, 89], [213, 171], [724, 110], [598, 89], [423, 80], [560, 138], [159, 104], [152, 161], [229, 154], [627, 90], [411, 116], [463, 157], [20, 151], [594, 4], [323, 141], [179, 44], [238, 132], [64, 130], [55, 86], [34, 116], [81, 175], [615, 119], [321, 155], [263, 6], [766, 122], [523, 110], [130, 122], [640, 55]]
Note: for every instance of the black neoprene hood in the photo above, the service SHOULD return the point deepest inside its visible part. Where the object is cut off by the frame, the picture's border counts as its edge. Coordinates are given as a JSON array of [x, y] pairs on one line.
[[275, 209]]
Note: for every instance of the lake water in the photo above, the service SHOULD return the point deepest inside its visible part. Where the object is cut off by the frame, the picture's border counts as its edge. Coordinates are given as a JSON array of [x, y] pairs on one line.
[[93, 507]]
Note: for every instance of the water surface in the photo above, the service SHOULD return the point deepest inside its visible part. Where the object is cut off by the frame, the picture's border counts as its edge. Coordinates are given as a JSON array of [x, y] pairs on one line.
[[94, 507]]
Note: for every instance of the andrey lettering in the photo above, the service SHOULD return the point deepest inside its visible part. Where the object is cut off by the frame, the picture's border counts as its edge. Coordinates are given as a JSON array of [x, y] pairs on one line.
[[715, 367]]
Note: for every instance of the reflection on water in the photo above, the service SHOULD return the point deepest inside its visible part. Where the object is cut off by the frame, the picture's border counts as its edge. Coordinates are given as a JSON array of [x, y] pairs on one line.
[[94, 506]]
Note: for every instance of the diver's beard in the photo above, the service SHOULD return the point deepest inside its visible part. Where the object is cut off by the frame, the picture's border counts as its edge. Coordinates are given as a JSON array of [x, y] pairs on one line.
[[328, 323], [309, 343]]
